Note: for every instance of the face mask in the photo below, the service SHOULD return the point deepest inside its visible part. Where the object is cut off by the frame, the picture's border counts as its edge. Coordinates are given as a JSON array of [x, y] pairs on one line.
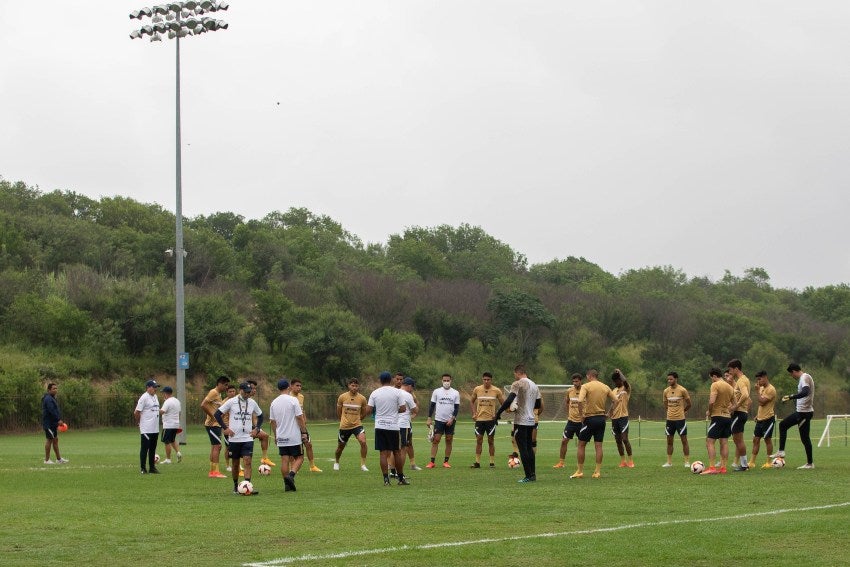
[[447, 385]]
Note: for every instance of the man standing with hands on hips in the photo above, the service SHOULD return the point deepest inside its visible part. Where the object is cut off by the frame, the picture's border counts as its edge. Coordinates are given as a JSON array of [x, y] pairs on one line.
[[147, 418]]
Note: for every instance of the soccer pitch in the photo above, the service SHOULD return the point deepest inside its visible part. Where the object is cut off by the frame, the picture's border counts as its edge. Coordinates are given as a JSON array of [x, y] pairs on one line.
[[98, 509]]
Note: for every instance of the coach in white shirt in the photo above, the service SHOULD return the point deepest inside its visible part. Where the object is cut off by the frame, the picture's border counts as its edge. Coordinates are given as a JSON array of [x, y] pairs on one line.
[[170, 412], [147, 418], [387, 403]]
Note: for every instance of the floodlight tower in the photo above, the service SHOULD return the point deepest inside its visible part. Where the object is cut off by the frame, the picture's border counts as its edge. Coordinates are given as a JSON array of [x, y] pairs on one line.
[[177, 20]]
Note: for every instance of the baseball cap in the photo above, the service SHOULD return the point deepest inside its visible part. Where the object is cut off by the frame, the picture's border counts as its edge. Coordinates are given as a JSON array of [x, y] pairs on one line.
[[245, 387], [385, 377], [150, 383], [282, 384], [167, 390], [408, 381]]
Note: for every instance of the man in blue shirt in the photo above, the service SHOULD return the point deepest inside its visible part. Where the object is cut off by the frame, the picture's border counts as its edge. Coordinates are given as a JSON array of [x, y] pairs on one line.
[[51, 419]]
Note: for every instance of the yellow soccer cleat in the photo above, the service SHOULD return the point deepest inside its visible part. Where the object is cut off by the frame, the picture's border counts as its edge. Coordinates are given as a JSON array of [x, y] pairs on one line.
[[267, 461], [314, 468], [577, 475]]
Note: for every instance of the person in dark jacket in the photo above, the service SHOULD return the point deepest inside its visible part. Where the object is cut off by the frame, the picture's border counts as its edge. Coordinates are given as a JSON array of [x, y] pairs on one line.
[[51, 419]]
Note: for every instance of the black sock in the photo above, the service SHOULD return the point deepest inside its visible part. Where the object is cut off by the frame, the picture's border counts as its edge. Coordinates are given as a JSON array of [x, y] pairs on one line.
[[432, 459], [445, 459]]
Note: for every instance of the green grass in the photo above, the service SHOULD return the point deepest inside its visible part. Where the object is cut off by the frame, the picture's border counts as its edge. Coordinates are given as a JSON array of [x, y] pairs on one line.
[[98, 510]]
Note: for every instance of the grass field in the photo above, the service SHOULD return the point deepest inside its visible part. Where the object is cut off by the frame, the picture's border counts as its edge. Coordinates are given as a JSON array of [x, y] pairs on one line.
[[98, 509]]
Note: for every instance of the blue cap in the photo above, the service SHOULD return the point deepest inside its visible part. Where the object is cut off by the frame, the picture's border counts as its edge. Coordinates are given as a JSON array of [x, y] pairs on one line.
[[408, 381], [167, 390], [385, 377], [282, 384], [245, 387], [151, 383]]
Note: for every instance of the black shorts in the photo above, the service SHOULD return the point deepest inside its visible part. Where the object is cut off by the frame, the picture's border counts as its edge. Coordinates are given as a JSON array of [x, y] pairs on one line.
[[571, 429], [739, 419], [345, 434], [764, 428], [720, 428], [290, 451], [51, 432], [593, 426], [387, 440], [169, 436], [239, 450], [214, 433], [487, 428], [674, 426], [440, 428], [406, 436], [620, 425]]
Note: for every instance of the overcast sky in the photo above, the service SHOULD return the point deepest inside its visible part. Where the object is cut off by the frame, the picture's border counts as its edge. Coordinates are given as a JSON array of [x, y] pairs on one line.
[[703, 135]]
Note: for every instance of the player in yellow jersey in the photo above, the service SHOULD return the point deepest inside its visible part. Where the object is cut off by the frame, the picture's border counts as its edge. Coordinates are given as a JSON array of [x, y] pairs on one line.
[[592, 401], [484, 402], [620, 419], [740, 414], [765, 418], [295, 391], [573, 418], [677, 402], [209, 405], [720, 401], [351, 408]]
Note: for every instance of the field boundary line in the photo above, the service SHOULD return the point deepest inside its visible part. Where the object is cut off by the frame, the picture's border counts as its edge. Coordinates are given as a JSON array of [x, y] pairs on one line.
[[382, 550]]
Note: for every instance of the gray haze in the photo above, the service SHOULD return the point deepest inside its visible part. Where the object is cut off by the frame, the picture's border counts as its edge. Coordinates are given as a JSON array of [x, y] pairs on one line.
[[703, 135]]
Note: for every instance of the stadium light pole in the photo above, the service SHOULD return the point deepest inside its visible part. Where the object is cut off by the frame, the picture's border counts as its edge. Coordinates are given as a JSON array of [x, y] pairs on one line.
[[177, 20]]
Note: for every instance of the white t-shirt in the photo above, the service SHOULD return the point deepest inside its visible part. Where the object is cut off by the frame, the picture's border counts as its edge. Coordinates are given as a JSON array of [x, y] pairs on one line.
[[527, 393], [241, 422], [171, 413], [283, 411], [445, 400], [148, 406], [404, 417], [805, 404], [386, 401]]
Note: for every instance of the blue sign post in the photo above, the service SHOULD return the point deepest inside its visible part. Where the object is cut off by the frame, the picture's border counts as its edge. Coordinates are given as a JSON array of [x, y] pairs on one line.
[[183, 360]]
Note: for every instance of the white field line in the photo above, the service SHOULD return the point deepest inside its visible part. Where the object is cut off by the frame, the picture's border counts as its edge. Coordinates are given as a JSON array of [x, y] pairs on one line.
[[383, 550]]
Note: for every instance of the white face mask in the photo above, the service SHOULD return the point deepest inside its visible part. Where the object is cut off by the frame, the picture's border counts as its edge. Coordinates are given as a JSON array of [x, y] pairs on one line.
[[447, 385]]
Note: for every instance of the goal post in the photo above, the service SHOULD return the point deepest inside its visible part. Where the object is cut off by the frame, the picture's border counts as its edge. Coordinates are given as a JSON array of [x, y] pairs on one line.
[[829, 419]]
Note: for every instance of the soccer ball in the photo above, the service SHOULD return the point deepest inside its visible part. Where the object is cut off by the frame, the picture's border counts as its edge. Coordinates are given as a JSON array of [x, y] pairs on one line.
[[513, 461], [245, 488], [156, 458], [697, 467], [778, 462], [264, 470]]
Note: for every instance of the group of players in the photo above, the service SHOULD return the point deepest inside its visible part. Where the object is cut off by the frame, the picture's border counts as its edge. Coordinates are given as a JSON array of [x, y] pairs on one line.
[[235, 420]]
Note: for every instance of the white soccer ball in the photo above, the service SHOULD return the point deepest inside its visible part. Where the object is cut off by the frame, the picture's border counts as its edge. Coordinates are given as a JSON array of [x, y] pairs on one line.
[[245, 488], [778, 462], [156, 458], [513, 461], [264, 470], [697, 467]]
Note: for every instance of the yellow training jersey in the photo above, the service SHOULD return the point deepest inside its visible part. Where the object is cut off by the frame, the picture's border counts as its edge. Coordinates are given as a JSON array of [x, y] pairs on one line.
[[676, 398], [766, 411], [352, 407], [574, 413], [213, 398], [622, 409], [723, 393], [487, 401], [594, 395], [742, 393], [300, 397]]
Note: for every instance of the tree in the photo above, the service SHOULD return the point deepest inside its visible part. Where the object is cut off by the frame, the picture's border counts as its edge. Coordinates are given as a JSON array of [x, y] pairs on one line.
[[212, 326], [521, 317], [275, 317]]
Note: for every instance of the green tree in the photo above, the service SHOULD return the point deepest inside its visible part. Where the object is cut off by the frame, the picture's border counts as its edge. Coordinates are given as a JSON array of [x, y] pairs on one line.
[[212, 326], [275, 317], [522, 318]]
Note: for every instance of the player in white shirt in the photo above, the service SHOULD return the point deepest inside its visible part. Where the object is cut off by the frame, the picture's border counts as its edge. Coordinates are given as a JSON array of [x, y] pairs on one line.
[[445, 403], [527, 395], [290, 431], [387, 403], [147, 417], [170, 412], [802, 416], [240, 429]]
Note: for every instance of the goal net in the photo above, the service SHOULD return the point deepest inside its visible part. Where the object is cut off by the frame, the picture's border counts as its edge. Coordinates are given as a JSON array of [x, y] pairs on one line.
[[552, 397]]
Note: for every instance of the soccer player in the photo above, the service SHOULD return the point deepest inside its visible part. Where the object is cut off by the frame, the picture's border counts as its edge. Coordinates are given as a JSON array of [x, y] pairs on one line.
[[802, 416], [51, 419], [765, 418], [308, 444], [241, 430], [405, 421], [677, 402], [740, 413], [351, 408], [387, 403], [445, 403], [147, 418], [290, 430], [526, 394], [620, 419], [720, 402], [484, 402], [170, 412], [262, 436], [210, 405], [592, 401], [573, 418]]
